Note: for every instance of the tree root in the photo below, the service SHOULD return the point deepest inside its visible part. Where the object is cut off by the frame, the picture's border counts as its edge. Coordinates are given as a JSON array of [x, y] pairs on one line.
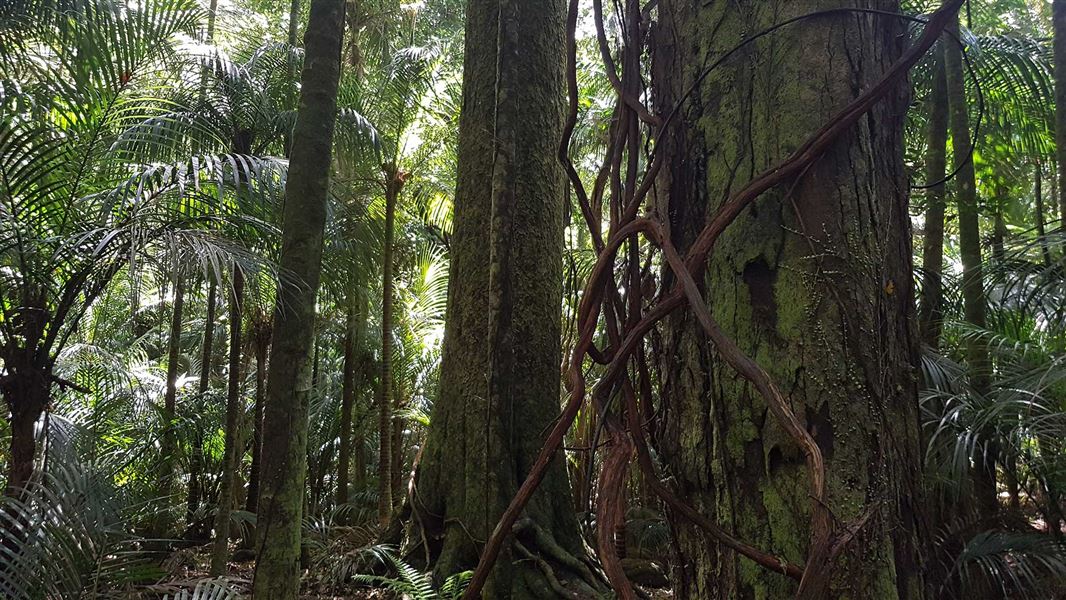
[[549, 573], [547, 544]]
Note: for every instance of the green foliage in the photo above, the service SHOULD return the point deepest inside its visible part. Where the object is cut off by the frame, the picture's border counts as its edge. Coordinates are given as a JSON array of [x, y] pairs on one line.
[[414, 584], [1010, 565], [78, 523]]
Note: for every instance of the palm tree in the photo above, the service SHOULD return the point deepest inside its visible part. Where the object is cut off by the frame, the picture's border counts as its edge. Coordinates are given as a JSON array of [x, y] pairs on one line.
[[77, 207]]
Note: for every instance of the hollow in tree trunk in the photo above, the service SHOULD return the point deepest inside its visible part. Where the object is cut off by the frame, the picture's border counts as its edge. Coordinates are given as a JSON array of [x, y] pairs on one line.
[[813, 282]]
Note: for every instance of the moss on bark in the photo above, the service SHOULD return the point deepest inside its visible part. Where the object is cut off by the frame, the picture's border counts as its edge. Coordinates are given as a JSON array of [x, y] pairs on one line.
[[813, 282], [499, 388], [284, 456]]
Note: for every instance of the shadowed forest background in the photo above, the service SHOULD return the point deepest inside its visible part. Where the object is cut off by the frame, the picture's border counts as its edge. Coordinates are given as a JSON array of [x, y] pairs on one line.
[[723, 299]]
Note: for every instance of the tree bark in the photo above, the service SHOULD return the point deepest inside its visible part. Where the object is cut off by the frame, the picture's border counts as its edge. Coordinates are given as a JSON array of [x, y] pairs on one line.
[[1058, 24], [27, 392], [169, 445], [284, 468], [234, 410], [262, 345], [499, 387], [813, 282], [973, 295], [930, 312], [354, 329], [393, 185], [1041, 214], [196, 460]]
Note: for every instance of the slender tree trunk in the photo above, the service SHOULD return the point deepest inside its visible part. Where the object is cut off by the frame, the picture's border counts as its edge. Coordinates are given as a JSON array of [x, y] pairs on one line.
[[999, 227], [1041, 216], [499, 386], [169, 446], [930, 313], [27, 392], [354, 14], [355, 323], [209, 335], [294, 22], [394, 183], [262, 344], [212, 15], [234, 410], [1058, 23], [973, 295], [277, 572], [196, 460], [813, 282]]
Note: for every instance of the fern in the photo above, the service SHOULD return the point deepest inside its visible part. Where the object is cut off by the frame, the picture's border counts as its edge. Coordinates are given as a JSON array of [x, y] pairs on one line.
[[413, 584]]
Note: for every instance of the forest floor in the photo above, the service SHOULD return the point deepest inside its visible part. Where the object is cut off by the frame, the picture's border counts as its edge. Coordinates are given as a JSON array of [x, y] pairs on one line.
[[191, 564]]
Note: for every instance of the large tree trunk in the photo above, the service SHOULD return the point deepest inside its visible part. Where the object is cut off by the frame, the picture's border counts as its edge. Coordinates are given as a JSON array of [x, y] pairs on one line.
[[930, 312], [284, 468], [973, 294], [813, 282], [234, 410], [393, 185], [499, 387]]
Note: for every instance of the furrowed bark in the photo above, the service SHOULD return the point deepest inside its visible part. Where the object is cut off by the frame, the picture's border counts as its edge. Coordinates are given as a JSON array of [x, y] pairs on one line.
[[499, 384]]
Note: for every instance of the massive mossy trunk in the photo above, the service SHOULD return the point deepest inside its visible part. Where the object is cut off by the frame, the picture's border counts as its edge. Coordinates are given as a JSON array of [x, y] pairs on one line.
[[233, 446], [814, 282], [284, 457], [499, 388]]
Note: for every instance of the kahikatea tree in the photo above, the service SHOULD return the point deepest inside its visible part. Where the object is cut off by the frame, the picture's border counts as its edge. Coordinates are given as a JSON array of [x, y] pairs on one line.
[[289, 382], [499, 387], [813, 282]]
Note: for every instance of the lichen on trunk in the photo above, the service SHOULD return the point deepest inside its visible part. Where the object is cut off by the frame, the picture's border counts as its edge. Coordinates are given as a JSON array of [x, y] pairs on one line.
[[499, 387], [813, 282]]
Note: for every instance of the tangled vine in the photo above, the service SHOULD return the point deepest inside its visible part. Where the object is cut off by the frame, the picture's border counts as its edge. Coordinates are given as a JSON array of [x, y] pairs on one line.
[[627, 321]]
